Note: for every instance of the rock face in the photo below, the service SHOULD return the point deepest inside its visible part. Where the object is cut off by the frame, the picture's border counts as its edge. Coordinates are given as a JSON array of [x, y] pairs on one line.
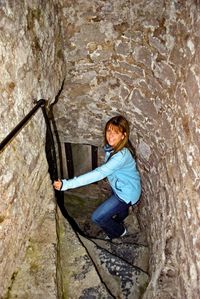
[[31, 66], [138, 58], [36, 277], [141, 59]]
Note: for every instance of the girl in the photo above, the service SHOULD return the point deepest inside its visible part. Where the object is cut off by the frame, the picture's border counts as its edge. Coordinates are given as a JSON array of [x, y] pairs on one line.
[[120, 169]]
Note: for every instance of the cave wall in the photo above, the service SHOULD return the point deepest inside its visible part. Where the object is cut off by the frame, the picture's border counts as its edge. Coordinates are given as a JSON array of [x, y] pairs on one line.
[[31, 67], [141, 59]]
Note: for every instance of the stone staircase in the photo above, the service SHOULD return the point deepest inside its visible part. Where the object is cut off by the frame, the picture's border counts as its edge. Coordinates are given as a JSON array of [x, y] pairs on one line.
[[120, 264], [74, 265]]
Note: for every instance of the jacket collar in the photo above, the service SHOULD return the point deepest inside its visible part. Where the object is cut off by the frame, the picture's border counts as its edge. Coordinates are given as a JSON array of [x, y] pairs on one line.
[[107, 148]]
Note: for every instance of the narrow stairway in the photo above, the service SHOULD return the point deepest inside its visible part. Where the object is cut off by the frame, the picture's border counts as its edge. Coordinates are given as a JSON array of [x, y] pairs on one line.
[[120, 264], [81, 264]]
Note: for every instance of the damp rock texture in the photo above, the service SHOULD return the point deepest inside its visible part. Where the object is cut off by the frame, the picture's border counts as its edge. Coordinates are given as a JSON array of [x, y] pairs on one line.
[[141, 59], [104, 268], [31, 67], [78, 278], [138, 58], [36, 276], [121, 278]]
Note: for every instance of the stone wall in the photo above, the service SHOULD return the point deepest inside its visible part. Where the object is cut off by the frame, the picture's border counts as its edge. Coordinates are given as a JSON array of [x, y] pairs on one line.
[[31, 66], [141, 59]]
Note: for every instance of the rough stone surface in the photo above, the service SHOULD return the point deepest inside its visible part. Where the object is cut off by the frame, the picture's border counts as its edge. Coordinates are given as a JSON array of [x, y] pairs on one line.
[[78, 276], [141, 59], [138, 58], [36, 277], [122, 279], [123, 263], [135, 254], [31, 67]]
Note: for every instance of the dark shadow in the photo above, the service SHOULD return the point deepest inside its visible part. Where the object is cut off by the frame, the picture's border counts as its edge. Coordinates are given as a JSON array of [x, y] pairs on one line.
[[60, 201], [55, 131], [51, 138]]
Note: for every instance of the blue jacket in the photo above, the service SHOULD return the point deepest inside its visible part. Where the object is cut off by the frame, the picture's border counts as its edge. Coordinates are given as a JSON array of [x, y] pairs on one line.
[[121, 173]]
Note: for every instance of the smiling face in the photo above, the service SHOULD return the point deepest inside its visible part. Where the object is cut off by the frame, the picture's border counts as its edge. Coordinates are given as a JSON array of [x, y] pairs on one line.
[[114, 135]]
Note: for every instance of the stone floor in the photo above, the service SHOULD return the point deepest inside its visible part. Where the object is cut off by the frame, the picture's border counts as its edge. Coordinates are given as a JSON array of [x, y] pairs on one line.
[[81, 264], [122, 265]]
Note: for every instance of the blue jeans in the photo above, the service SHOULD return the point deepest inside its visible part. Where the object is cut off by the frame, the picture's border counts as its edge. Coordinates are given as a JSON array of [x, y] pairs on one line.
[[110, 215]]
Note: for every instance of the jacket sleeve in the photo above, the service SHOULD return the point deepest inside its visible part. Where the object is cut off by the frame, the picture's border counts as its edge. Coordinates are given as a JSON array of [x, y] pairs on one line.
[[115, 163]]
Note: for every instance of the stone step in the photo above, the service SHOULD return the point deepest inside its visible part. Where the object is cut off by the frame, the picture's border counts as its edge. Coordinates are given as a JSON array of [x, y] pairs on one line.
[[78, 278], [123, 280], [123, 263], [135, 254]]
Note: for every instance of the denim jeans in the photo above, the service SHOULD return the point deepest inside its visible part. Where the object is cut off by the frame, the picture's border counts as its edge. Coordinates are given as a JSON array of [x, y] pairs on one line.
[[110, 215]]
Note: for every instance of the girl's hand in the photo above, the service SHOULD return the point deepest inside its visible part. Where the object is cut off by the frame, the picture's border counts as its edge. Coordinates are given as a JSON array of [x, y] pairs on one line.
[[57, 185]]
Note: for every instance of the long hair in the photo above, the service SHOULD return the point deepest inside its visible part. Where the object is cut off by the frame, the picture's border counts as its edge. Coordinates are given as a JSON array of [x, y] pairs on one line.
[[122, 124]]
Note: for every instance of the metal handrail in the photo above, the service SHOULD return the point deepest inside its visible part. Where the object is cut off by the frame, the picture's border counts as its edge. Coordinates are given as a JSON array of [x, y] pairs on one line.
[[50, 155], [14, 132]]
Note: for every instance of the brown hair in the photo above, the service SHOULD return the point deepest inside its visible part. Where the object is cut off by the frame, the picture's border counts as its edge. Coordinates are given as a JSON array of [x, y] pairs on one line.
[[122, 124]]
